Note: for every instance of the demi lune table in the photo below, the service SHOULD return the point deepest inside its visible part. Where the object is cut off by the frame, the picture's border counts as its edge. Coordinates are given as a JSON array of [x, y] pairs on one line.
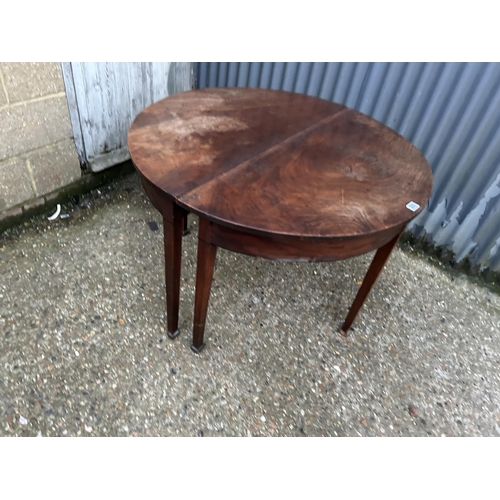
[[277, 175]]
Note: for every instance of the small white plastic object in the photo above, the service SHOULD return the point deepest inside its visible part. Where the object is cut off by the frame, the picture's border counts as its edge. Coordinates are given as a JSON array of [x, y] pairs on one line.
[[55, 215]]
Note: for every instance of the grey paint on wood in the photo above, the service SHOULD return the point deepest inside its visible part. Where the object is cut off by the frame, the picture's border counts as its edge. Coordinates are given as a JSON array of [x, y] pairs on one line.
[[74, 114], [450, 111], [104, 99]]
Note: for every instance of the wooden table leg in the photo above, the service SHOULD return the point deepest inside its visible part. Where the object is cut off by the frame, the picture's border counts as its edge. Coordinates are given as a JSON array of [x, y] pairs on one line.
[[372, 274], [204, 273], [173, 226]]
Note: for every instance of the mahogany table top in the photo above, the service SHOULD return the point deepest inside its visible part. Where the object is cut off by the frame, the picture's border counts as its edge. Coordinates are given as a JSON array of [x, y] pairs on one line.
[[277, 163]]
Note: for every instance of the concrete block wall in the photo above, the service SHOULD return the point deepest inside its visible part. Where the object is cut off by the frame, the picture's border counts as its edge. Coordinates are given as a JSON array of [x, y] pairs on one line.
[[37, 151]]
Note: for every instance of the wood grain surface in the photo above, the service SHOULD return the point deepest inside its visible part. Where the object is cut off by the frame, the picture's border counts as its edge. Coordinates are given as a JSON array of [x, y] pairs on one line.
[[277, 163]]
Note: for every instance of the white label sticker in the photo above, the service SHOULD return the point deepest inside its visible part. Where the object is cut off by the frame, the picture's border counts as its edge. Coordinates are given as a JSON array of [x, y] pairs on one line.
[[412, 206]]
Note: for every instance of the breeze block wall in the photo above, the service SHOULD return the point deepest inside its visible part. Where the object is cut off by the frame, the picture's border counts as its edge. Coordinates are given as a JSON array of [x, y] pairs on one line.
[[37, 152]]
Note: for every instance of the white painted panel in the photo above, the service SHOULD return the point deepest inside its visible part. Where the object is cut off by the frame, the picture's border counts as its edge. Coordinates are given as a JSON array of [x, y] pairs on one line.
[[104, 99]]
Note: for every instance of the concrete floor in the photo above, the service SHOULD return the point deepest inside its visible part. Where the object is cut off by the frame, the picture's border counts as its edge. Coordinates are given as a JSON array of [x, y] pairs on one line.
[[83, 349]]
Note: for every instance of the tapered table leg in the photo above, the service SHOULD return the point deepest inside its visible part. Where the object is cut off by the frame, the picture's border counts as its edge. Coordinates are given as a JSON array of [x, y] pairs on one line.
[[204, 274], [372, 274], [173, 226]]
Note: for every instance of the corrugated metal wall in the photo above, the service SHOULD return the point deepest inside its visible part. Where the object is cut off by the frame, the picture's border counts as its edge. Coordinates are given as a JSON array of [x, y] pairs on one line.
[[450, 111]]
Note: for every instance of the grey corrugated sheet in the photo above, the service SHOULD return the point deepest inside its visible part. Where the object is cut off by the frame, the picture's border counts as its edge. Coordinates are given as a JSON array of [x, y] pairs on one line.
[[450, 111]]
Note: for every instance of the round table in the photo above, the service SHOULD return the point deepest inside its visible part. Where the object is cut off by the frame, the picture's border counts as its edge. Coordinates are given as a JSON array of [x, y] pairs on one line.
[[277, 175]]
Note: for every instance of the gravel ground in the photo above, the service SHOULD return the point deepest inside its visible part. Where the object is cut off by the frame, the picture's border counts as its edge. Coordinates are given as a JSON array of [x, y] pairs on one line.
[[83, 348]]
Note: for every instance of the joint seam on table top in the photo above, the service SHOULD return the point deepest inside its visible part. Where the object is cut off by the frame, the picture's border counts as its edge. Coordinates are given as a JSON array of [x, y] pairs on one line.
[[264, 153]]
